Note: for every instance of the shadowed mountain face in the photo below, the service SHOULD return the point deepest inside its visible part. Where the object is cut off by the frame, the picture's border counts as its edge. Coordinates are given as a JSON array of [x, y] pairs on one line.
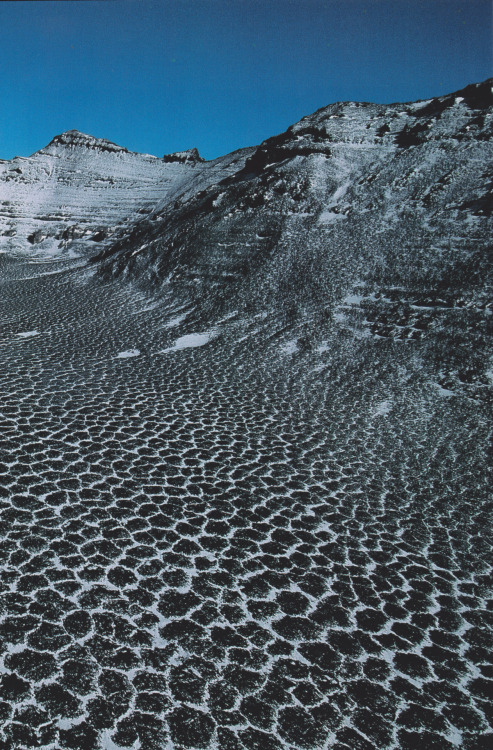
[[246, 406]]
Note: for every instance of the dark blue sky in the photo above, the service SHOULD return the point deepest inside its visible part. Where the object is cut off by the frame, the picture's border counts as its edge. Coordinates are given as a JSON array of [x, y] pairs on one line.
[[160, 76]]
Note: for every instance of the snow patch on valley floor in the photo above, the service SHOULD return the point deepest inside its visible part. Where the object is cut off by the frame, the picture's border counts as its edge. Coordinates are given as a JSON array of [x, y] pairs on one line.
[[290, 347], [128, 353], [190, 340], [382, 409], [444, 391], [28, 334], [175, 321], [329, 217]]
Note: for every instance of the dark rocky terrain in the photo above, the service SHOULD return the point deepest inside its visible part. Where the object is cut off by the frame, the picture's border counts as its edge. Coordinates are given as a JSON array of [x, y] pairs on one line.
[[246, 408]]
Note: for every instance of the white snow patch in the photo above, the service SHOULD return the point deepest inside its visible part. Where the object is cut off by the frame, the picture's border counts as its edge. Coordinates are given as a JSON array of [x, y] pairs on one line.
[[139, 250], [128, 353], [290, 347], [382, 409], [329, 217], [108, 744], [228, 317], [340, 192], [248, 335], [28, 334], [444, 391], [353, 299], [37, 261], [65, 723], [175, 321], [190, 340], [52, 273], [218, 200]]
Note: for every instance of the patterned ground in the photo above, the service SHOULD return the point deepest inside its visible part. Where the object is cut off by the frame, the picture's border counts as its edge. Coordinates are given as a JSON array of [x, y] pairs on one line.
[[237, 544]]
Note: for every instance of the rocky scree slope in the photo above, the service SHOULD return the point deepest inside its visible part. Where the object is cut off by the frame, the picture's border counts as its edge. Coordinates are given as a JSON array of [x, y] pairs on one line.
[[361, 218]]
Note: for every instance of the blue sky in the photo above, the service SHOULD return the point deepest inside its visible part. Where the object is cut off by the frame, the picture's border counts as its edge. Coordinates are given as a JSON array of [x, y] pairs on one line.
[[160, 76]]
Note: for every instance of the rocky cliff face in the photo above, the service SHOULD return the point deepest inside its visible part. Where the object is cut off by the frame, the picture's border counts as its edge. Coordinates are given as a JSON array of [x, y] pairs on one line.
[[185, 157]]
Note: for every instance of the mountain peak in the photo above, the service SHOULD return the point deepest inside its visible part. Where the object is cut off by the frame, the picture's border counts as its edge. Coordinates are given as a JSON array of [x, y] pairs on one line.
[[190, 156], [76, 139]]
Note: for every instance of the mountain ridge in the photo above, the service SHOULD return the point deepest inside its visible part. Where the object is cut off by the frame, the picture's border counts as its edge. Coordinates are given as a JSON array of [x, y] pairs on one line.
[[478, 94], [75, 138]]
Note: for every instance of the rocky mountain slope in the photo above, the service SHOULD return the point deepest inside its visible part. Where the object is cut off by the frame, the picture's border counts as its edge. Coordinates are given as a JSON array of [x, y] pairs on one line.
[[362, 217], [246, 410], [80, 190]]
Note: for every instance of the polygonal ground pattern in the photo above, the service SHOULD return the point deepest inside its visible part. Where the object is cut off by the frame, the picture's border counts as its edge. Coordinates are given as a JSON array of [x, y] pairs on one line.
[[227, 545]]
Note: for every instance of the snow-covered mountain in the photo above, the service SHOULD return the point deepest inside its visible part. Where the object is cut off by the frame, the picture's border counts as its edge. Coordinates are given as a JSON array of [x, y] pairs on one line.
[[355, 178], [79, 191]]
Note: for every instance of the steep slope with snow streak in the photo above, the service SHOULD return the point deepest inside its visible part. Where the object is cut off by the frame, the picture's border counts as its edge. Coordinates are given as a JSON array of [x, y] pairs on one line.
[[363, 219]]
